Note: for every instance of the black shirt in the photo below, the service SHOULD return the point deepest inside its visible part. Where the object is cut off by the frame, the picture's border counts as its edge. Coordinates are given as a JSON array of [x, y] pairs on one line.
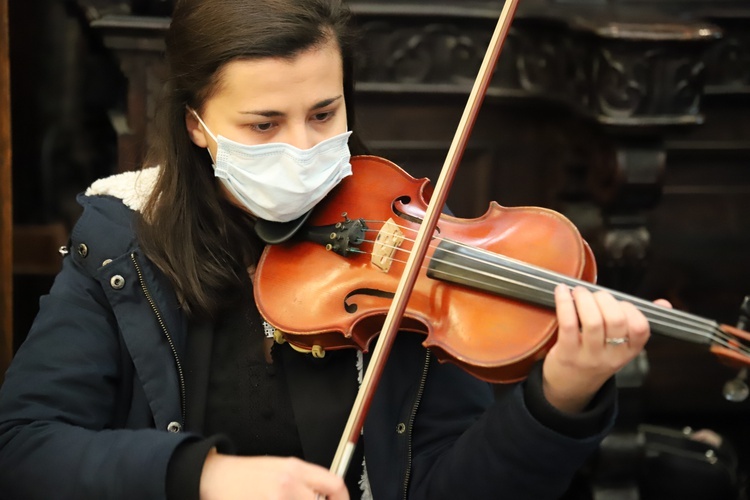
[[247, 398]]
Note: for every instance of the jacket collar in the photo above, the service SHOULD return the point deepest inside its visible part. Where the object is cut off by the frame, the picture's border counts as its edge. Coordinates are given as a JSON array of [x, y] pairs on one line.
[[133, 188]]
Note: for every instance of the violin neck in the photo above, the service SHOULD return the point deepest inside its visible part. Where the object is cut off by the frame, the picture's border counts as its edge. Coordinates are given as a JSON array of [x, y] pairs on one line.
[[493, 273]]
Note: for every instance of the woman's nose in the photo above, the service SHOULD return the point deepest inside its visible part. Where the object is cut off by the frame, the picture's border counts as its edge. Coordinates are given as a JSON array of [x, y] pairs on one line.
[[301, 137]]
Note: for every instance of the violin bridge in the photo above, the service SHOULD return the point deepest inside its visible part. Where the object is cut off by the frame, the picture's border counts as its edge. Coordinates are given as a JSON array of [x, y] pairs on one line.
[[387, 242]]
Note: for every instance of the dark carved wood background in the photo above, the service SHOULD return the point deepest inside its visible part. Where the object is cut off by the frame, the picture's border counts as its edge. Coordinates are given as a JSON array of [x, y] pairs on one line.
[[631, 118]]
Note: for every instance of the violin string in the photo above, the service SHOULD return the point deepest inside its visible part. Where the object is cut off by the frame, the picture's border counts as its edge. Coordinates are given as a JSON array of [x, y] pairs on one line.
[[554, 278], [713, 333], [690, 323]]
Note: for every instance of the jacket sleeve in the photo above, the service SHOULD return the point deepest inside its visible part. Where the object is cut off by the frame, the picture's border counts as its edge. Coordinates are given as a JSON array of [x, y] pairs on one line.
[[57, 406], [462, 450]]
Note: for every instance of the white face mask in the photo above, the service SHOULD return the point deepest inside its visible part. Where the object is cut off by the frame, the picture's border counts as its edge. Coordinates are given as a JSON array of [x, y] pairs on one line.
[[279, 182]]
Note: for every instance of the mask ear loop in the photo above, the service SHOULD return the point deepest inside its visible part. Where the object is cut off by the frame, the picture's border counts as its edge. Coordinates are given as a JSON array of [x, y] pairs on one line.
[[208, 131]]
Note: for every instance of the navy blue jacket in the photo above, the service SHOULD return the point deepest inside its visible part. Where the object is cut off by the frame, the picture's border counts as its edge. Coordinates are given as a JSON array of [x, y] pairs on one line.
[[93, 404]]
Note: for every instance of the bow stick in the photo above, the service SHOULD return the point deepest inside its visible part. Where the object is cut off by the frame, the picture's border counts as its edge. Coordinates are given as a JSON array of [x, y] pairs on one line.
[[355, 423]]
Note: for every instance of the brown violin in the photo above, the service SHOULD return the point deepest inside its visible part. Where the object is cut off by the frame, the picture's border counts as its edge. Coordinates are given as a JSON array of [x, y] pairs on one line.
[[484, 293]]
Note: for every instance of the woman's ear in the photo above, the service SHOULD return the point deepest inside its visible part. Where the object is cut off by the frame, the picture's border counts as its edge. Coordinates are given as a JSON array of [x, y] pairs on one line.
[[195, 130]]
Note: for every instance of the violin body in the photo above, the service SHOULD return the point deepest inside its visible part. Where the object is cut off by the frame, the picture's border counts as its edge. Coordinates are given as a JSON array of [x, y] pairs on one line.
[[318, 297]]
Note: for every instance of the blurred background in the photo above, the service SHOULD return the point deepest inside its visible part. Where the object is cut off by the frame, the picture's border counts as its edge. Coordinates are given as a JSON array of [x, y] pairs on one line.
[[632, 118]]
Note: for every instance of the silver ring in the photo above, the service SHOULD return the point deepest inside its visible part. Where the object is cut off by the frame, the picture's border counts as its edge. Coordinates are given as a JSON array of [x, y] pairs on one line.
[[617, 340]]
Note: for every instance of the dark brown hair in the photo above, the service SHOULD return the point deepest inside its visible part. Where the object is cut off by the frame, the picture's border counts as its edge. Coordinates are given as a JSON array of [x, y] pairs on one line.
[[198, 239]]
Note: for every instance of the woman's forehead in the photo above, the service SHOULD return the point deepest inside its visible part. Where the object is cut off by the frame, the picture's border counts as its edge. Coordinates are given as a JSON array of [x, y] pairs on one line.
[[308, 77]]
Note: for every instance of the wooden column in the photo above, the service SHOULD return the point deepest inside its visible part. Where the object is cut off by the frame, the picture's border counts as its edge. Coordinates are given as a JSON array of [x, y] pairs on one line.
[[6, 191]]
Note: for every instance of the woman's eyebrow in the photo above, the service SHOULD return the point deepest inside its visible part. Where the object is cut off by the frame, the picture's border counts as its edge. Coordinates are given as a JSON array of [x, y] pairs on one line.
[[272, 114], [326, 102]]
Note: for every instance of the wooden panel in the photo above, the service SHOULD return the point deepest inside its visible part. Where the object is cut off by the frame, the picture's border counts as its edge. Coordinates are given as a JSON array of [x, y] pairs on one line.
[[36, 248], [6, 219]]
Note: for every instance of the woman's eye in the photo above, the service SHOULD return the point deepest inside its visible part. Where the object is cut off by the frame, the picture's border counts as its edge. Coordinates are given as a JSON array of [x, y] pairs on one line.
[[263, 127], [321, 117]]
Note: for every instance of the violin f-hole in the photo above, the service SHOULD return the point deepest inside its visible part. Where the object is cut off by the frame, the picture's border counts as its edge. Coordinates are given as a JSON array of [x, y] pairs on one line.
[[351, 308]]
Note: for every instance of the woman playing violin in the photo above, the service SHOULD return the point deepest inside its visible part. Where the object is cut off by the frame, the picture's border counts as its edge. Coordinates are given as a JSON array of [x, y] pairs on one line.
[[149, 372]]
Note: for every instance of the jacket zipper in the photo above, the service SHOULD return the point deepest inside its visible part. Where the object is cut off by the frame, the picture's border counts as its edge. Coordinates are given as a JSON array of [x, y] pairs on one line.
[[163, 325], [413, 416]]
